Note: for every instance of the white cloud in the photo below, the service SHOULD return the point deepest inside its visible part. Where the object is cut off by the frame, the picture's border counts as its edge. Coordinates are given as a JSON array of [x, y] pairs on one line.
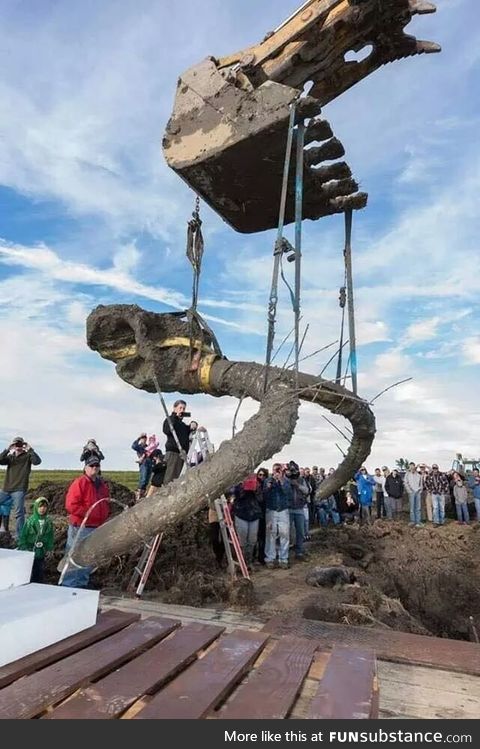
[[471, 350], [424, 330]]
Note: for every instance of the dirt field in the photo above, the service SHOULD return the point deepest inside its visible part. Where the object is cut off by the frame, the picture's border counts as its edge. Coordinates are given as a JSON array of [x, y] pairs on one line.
[[422, 580]]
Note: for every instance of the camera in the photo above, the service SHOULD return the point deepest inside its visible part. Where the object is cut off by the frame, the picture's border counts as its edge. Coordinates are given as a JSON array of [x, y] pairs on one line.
[[292, 471]]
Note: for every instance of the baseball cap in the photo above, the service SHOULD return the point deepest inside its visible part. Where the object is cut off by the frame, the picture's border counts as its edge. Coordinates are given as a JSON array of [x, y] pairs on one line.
[[18, 439]]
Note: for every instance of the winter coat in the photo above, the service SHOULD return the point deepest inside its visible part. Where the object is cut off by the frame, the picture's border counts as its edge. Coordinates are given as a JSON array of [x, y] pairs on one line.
[[365, 484], [277, 494], [141, 450], [246, 505], [413, 482], [311, 486], [460, 493], [343, 508], [18, 469], [394, 486], [158, 473], [437, 483], [36, 532], [81, 495], [299, 493], [182, 431]]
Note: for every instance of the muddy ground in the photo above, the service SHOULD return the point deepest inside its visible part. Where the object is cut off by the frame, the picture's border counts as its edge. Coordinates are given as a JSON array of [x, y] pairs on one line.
[[421, 580]]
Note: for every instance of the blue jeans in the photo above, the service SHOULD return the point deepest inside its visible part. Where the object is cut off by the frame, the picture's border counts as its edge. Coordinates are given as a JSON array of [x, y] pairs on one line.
[[297, 517], [76, 577], [324, 516], [438, 506], [390, 507], [306, 514], [247, 532], [17, 500], [463, 516], [145, 469], [415, 500], [277, 525], [477, 507]]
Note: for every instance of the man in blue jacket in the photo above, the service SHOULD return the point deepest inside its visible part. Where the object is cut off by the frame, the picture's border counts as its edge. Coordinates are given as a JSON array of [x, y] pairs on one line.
[[278, 495]]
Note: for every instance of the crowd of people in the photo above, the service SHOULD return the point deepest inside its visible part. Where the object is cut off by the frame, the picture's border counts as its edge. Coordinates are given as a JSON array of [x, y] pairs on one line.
[[273, 511]]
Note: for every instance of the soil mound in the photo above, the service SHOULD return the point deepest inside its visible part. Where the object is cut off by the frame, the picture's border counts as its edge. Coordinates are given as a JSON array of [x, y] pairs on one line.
[[55, 493]]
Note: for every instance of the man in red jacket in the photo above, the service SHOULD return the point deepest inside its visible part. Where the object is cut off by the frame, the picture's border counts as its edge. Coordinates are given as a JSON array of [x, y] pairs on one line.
[[87, 504]]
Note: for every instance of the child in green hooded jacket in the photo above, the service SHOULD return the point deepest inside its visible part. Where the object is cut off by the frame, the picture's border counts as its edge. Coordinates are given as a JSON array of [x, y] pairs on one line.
[[37, 535]]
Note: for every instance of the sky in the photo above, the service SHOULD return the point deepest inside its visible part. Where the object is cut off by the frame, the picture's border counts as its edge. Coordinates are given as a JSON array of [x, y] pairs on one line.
[[91, 214]]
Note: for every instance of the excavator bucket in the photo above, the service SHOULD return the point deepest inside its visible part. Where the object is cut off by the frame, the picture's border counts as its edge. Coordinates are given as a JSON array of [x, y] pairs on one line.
[[228, 132]]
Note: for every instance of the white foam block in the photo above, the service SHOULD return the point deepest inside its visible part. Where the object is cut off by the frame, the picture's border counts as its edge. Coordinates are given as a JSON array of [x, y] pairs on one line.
[[34, 616], [15, 568]]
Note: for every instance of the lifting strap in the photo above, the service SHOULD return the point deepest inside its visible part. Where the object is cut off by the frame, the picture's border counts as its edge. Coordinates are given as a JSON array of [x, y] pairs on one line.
[[351, 311], [279, 246], [282, 245]]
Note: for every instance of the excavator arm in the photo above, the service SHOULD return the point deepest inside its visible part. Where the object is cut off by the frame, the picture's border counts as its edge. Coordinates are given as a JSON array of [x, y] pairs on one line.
[[226, 137]]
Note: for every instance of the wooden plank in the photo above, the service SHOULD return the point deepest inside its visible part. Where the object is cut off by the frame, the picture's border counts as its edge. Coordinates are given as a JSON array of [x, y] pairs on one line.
[[114, 694], [420, 692], [348, 689], [271, 689], [186, 614], [388, 645], [207, 681], [32, 694], [310, 686], [107, 624]]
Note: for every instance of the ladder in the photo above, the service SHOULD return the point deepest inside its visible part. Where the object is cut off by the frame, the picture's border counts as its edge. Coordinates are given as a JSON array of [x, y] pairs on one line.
[[200, 446], [229, 536], [142, 571]]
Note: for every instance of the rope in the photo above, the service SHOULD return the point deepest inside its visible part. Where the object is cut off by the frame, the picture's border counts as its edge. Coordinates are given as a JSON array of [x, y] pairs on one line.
[[194, 252]]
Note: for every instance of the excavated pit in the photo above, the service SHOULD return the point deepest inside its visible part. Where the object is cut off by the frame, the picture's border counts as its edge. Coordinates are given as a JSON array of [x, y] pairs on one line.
[[425, 581]]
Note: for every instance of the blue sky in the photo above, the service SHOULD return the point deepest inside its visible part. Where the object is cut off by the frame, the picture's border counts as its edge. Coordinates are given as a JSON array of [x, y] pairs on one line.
[[90, 213]]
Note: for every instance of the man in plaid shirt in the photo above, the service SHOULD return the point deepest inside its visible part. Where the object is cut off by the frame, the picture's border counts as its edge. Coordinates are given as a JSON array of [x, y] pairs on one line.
[[437, 485]]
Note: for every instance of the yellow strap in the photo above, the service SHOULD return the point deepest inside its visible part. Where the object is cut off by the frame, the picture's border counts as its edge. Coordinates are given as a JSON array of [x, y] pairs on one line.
[[204, 371], [132, 350], [178, 341]]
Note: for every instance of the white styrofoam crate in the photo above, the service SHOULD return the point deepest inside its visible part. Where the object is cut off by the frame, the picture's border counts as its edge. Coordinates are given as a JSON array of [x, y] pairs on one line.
[[15, 568], [34, 616]]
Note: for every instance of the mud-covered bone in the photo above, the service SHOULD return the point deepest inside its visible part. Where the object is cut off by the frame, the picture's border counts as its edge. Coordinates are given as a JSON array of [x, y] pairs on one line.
[[145, 345]]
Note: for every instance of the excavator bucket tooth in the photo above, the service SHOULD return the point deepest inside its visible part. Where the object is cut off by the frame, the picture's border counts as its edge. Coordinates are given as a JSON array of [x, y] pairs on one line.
[[228, 132]]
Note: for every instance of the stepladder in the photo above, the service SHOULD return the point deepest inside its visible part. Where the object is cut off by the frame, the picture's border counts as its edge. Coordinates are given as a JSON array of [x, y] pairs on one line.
[[200, 450], [233, 549], [142, 570]]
